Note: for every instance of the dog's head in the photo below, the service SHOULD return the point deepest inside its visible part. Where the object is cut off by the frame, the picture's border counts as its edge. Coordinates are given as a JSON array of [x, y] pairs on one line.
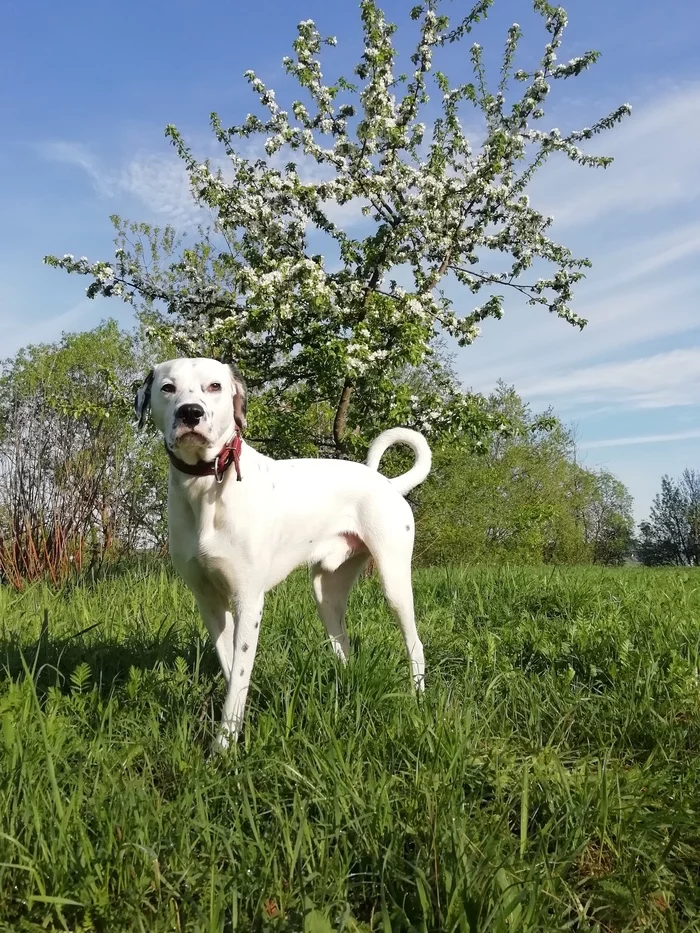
[[195, 403]]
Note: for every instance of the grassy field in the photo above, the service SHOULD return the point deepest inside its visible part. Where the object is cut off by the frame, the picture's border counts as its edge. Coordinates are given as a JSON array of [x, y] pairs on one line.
[[549, 779]]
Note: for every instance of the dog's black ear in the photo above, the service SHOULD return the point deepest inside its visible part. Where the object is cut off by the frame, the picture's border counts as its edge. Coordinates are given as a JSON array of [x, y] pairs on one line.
[[240, 396], [142, 402]]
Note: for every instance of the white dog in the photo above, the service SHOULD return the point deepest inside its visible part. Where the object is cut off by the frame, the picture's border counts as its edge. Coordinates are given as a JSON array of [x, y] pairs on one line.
[[235, 533]]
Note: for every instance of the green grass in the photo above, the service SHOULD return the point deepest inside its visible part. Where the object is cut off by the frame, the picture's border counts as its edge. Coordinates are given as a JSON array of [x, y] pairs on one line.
[[549, 779]]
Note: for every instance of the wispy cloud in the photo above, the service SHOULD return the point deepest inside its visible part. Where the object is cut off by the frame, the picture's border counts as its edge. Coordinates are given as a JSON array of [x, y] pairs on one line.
[[655, 166], [158, 181], [80, 157], [642, 312], [162, 185], [659, 381], [648, 257], [691, 434]]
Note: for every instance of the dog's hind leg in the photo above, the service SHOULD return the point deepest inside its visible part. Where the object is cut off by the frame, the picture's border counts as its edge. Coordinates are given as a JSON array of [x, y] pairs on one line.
[[394, 567], [331, 590]]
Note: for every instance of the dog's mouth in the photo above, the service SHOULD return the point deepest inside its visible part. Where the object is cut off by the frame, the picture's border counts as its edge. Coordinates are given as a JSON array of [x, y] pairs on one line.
[[185, 435]]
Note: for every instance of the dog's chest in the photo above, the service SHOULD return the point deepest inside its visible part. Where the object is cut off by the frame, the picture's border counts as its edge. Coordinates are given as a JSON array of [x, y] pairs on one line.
[[212, 559], [209, 534]]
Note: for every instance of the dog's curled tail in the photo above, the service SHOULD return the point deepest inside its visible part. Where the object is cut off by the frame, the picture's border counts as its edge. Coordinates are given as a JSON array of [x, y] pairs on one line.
[[416, 442]]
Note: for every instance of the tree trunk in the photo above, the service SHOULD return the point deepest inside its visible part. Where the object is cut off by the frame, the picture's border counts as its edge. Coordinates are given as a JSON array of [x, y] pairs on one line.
[[341, 415]]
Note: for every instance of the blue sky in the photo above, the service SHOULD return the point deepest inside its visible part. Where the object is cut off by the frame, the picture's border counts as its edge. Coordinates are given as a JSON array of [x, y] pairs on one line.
[[89, 89]]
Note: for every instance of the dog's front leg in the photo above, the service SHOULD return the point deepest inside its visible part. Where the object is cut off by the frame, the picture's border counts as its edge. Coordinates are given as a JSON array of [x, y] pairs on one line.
[[218, 620], [248, 613]]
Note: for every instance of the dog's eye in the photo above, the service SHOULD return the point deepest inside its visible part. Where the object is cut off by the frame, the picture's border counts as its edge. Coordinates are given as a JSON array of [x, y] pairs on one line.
[[214, 387], [167, 387]]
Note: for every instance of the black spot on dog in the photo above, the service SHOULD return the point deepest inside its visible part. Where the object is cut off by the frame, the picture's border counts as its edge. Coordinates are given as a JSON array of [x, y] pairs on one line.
[[245, 646], [256, 625], [408, 527], [242, 671]]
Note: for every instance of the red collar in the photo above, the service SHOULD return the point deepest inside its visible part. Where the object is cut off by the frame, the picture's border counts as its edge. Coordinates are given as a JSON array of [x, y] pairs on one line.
[[229, 453]]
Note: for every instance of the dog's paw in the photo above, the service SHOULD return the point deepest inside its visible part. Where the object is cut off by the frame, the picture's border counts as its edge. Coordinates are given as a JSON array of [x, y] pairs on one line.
[[223, 741]]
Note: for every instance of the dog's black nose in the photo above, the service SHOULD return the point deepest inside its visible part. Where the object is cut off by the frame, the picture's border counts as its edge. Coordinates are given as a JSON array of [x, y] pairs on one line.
[[190, 414]]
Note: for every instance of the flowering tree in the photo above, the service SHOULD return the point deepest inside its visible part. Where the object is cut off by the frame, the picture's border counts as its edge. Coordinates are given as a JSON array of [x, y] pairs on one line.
[[336, 335]]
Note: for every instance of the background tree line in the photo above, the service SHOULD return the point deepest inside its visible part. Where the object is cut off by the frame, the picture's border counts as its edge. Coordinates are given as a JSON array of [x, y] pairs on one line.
[[78, 482], [671, 534]]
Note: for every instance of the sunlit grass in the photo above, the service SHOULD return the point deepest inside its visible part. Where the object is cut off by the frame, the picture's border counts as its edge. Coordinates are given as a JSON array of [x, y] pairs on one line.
[[548, 780]]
